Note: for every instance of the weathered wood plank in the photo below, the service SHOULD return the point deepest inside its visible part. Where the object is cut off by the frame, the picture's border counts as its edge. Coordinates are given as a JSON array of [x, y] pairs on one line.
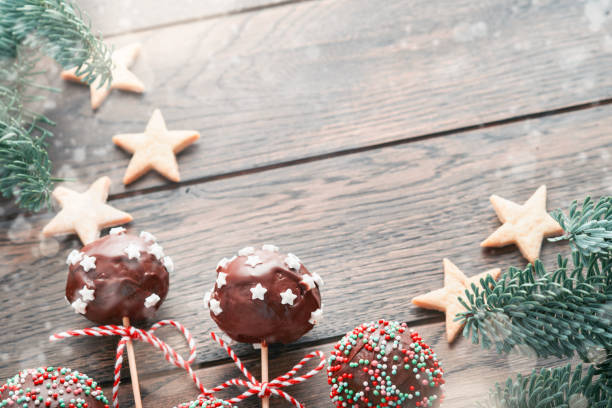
[[113, 18], [375, 225], [316, 77]]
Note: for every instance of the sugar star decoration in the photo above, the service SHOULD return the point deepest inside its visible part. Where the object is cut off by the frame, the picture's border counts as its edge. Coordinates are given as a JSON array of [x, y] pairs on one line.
[[293, 262], [316, 316], [122, 79], [524, 225], [147, 236], [221, 279], [253, 261], [258, 292], [168, 264], [87, 294], [446, 299], [151, 300], [287, 297], [79, 306], [246, 251], [155, 149], [132, 251], [215, 306], [88, 263], [74, 257], [309, 281], [157, 251], [85, 213]]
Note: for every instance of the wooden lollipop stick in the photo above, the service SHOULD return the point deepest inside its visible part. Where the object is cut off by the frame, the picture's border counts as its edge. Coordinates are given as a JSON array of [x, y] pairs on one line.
[[265, 401], [133, 370]]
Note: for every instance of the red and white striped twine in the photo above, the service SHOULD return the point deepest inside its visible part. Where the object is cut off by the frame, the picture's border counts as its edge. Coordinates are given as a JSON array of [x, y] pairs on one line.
[[270, 388], [132, 333]]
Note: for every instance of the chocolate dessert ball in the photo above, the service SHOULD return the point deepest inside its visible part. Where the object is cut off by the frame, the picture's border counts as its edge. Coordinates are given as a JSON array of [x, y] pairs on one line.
[[118, 275], [204, 402], [52, 387], [262, 295], [384, 364]]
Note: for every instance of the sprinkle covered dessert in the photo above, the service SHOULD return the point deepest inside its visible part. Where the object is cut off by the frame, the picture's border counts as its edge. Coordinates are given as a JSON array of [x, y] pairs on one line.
[[384, 364], [262, 295], [206, 403], [52, 387]]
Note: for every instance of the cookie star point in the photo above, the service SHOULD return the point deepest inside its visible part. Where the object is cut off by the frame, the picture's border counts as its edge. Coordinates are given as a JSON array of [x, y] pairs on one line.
[[85, 213], [446, 299], [154, 149], [524, 225]]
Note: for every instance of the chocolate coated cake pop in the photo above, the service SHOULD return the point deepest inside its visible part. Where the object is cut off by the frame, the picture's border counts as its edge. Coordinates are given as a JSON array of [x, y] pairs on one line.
[[262, 295], [384, 364], [118, 275]]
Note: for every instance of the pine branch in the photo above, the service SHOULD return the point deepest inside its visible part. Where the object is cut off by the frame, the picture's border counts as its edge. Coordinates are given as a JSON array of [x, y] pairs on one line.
[[558, 313], [553, 388], [589, 229], [56, 28]]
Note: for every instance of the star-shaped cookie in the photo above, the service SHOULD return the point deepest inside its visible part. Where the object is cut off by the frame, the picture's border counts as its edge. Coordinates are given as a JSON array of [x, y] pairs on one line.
[[85, 213], [154, 149], [122, 79], [524, 225], [446, 299]]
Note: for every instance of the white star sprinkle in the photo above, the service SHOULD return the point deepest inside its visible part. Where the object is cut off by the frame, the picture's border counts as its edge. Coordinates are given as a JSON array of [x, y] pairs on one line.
[[147, 236], [221, 279], [157, 251], [258, 292], [293, 262], [152, 300], [307, 279], [168, 264], [116, 231], [222, 263], [207, 296], [87, 294], [132, 251], [318, 279], [215, 306], [79, 306], [253, 261], [287, 297], [246, 251], [269, 247], [74, 257], [316, 316], [88, 262]]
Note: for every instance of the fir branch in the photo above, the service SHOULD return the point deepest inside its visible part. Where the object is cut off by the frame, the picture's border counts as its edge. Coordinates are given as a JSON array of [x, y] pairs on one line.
[[561, 387], [557, 313], [588, 229]]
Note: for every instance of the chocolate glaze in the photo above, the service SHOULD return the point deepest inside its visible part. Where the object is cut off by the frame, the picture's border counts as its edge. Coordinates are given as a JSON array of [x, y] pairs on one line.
[[121, 284], [69, 385], [250, 320], [364, 345]]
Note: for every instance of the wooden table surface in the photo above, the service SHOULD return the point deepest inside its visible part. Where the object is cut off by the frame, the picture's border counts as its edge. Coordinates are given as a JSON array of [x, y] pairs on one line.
[[365, 137]]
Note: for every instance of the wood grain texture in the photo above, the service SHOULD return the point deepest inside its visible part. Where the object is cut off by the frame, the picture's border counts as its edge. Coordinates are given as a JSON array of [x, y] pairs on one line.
[[116, 17], [375, 225], [316, 77], [469, 371]]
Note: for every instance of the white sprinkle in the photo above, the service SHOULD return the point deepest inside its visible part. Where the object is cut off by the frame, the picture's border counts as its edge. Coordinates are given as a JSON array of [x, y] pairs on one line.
[[287, 297], [222, 263], [316, 316], [116, 231], [157, 251], [253, 261], [74, 257], [152, 300], [318, 279], [88, 262], [132, 251], [310, 283], [246, 251], [168, 264], [215, 306], [258, 292], [79, 306], [87, 294], [207, 296], [147, 236], [221, 279], [293, 262], [270, 247]]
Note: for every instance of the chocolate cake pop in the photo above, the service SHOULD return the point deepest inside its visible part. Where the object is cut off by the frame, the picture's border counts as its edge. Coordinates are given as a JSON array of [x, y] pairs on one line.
[[204, 402], [119, 275], [263, 296], [384, 364], [52, 387]]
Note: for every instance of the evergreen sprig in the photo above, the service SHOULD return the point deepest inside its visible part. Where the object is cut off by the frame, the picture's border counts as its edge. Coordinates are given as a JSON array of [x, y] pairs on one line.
[[57, 29]]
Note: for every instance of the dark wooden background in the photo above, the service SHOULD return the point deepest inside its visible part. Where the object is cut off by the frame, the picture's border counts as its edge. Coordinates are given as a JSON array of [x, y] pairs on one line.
[[365, 137]]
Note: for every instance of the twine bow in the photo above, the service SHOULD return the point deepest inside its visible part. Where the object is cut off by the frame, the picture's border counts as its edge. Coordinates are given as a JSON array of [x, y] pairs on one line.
[[135, 334], [265, 389]]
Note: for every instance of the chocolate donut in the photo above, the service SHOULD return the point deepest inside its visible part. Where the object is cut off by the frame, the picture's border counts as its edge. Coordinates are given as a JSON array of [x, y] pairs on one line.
[[262, 295], [52, 387], [384, 364], [118, 275]]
